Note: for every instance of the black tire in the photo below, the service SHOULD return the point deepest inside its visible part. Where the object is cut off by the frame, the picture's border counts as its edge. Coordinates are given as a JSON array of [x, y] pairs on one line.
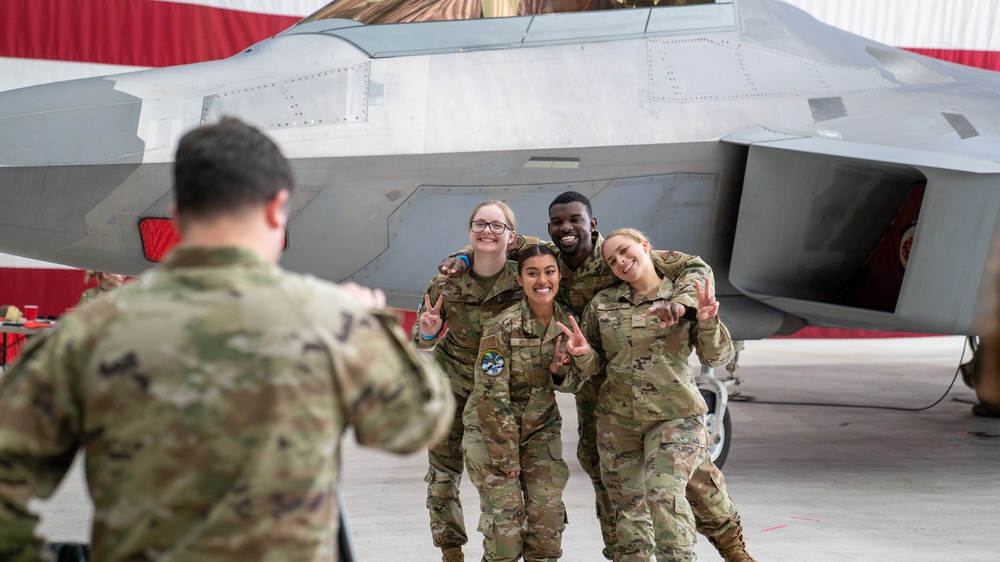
[[719, 450]]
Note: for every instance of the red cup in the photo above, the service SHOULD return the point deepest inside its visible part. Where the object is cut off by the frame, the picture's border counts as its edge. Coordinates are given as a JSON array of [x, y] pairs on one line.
[[30, 312]]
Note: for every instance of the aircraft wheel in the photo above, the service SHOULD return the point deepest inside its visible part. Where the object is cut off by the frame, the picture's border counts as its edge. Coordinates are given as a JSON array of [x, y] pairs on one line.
[[718, 449]]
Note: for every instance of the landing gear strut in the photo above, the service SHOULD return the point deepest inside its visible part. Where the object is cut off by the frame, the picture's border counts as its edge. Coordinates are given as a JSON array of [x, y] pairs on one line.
[[715, 391]]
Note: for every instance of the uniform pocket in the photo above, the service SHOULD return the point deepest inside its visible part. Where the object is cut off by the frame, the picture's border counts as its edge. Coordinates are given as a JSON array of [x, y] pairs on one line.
[[718, 478], [556, 449], [683, 528], [487, 527], [474, 448]]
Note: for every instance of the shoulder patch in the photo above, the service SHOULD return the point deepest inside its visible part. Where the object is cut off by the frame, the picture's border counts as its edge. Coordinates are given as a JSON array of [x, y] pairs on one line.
[[671, 256], [492, 362]]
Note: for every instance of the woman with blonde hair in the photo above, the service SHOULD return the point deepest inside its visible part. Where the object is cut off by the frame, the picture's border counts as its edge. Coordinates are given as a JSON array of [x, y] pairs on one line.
[[652, 437], [106, 282], [465, 303]]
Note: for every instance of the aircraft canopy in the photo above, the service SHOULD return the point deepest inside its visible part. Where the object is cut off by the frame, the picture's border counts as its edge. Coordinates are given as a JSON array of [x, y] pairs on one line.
[[400, 11]]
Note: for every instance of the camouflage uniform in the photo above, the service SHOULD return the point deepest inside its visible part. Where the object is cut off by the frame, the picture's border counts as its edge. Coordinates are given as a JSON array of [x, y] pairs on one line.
[[210, 396], [91, 294], [466, 307], [512, 423], [576, 290], [651, 433]]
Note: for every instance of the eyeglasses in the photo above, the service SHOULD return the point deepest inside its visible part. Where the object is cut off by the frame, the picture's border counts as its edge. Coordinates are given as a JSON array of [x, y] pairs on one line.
[[495, 227]]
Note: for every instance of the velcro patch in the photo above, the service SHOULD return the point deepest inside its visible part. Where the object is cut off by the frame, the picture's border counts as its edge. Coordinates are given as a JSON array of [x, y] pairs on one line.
[[671, 256], [492, 362], [525, 342]]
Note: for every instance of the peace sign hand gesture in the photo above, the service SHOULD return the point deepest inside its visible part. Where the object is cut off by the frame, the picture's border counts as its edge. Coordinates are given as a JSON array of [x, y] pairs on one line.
[[576, 343], [708, 307], [430, 318]]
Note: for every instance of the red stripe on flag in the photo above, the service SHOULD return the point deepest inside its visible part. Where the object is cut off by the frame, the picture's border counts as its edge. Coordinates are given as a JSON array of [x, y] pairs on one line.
[[990, 60], [129, 32]]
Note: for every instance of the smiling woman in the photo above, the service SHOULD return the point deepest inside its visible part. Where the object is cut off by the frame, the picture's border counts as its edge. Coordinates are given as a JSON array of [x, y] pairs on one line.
[[512, 442], [645, 337], [451, 321]]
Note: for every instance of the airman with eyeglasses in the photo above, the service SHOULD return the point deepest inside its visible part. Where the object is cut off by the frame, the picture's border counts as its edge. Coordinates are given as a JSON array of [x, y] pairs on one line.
[[496, 227], [464, 303]]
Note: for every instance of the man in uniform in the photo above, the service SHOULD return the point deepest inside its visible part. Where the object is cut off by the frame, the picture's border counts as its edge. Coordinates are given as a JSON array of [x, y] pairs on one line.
[[210, 395], [573, 230]]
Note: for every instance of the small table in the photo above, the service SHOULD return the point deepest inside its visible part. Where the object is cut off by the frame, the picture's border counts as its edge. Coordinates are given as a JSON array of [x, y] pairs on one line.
[[16, 328]]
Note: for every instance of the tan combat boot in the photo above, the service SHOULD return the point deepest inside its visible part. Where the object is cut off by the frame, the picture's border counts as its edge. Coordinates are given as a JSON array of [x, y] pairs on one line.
[[452, 554], [731, 546]]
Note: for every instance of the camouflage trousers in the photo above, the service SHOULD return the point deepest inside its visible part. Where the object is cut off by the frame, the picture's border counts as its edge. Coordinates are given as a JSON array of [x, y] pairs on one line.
[[651, 470], [520, 516], [590, 460], [443, 479]]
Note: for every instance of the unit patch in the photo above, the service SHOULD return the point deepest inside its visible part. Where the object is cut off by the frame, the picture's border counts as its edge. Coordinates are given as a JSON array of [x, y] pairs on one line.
[[491, 362]]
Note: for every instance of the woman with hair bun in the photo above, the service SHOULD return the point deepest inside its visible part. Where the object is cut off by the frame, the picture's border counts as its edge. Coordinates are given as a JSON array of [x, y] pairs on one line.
[[106, 282]]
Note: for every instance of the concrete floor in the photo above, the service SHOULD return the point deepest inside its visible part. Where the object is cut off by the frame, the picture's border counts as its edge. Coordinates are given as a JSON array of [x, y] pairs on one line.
[[812, 483]]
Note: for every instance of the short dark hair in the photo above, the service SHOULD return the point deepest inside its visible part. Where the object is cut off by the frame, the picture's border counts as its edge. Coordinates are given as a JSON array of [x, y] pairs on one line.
[[226, 168], [532, 251], [572, 197]]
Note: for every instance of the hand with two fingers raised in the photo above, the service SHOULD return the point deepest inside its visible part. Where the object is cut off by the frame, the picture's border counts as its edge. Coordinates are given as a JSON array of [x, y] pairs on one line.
[[708, 307], [576, 343], [430, 319]]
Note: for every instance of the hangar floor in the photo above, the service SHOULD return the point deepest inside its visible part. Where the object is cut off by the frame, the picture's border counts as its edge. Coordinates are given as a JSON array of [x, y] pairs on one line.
[[815, 483]]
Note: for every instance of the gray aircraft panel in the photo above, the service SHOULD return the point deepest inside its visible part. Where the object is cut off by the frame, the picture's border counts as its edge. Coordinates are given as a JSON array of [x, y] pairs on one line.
[[330, 97], [41, 119], [807, 209]]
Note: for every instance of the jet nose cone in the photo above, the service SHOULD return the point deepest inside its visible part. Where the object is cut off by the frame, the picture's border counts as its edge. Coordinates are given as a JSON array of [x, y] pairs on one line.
[[75, 122]]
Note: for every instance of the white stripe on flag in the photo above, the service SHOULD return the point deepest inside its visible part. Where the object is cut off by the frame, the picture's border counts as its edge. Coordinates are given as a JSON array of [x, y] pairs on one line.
[[972, 25]]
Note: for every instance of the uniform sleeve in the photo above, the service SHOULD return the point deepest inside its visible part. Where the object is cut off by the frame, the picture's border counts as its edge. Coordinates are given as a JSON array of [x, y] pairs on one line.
[[591, 328], [433, 291], [87, 296], [713, 343], [522, 243], [40, 424], [712, 340], [684, 273], [574, 375], [395, 398], [467, 252], [496, 417], [590, 363]]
